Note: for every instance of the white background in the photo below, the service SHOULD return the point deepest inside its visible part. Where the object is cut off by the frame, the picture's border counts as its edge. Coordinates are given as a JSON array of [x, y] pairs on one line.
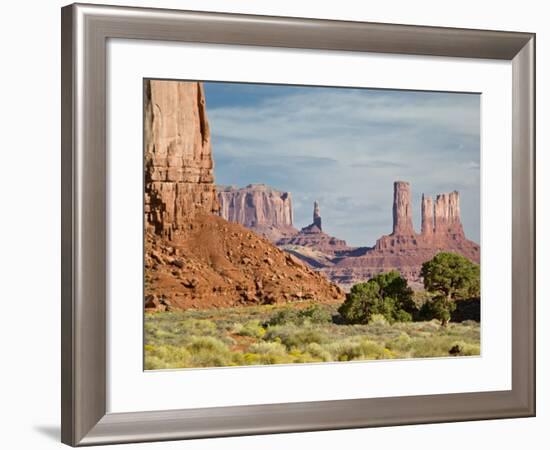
[[30, 222], [131, 389]]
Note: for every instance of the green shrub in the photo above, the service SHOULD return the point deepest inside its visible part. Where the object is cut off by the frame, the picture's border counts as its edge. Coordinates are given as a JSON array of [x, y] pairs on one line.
[[378, 320], [345, 350], [439, 308], [432, 346], [371, 350], [292, 336], [401, 343], [283, 317], [401, 315], [357, 349], [251, 328], [360, 303], [165, 357], [315, 314], [452, 276], [208, 351], [303, 336], [268, 348], [387, 294], [200, 327], [254, 359], [317, 352]]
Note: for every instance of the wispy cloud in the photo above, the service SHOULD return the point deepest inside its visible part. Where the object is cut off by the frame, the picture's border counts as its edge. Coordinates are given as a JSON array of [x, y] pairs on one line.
[[345, 147]]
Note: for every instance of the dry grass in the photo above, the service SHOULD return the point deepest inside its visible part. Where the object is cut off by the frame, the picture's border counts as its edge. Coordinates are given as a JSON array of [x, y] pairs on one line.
[[281, 335]]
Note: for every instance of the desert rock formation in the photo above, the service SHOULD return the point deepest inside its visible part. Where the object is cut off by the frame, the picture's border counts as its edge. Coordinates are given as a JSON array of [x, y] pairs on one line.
[[317, 215], [427, 224], [215, 263], [402, 209], [258, 207], [313, 237], [447, 216], [193, 257], [178, 155], [404, 249]]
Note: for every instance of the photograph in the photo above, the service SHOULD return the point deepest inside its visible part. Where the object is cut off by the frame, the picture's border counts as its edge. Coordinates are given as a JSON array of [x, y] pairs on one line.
[[304, 224], [248, 225]]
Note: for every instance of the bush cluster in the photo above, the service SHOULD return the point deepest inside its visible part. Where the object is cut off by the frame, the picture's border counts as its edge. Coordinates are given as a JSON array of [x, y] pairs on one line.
[[380, 319], [387, 294], [313, 314]]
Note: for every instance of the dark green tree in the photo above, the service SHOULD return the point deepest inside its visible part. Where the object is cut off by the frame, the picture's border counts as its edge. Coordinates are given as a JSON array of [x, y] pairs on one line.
[[449, 277], [393, 286], [361, 303], [439, 308], [452, 276], [387, 294]]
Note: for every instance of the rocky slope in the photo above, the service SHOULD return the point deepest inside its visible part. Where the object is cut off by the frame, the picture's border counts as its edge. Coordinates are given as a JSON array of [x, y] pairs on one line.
[[258, 207], [215, 263], [193, 258]]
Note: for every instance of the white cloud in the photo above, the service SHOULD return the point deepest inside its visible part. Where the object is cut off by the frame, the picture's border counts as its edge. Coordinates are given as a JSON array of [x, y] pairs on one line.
[[335, 144]]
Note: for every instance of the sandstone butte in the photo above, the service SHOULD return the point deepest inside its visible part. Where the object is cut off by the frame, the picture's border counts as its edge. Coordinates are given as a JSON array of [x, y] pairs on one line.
[[403, 249], [258, 207], [314, 238], [193, 257]]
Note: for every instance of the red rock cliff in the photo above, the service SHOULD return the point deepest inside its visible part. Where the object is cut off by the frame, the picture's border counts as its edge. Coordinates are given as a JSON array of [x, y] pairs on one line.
[[179, 178]]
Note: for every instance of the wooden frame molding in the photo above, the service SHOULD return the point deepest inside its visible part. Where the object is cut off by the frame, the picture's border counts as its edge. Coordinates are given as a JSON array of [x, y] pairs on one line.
[[85, 30]]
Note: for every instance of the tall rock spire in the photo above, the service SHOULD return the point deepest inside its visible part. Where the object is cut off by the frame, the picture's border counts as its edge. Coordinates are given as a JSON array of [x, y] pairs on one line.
[[317, 215], [427, 227], [402, 210], [179, 177], [447, 215]]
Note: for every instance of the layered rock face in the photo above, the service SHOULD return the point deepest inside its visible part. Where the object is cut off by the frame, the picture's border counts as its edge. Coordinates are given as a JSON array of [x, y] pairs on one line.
[[264, 210], [178, 155], [193, 257], [313, 237]]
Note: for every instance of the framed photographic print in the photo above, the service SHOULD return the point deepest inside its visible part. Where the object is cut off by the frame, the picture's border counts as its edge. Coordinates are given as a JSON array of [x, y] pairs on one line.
[[279, 224]]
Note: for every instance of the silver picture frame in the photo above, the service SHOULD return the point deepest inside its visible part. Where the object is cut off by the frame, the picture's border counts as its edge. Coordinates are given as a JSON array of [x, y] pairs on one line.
[[85, 31]]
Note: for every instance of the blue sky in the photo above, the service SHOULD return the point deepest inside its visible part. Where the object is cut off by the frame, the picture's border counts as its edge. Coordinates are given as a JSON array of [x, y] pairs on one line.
[[345, 147]]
